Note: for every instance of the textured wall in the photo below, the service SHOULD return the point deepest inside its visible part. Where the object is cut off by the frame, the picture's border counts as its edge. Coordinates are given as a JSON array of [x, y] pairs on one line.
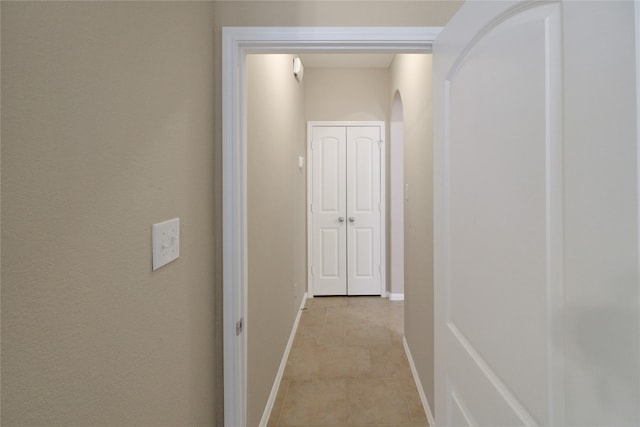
[[276, 209], [411, 77], [346, 94], [111, 121], [107, 128]]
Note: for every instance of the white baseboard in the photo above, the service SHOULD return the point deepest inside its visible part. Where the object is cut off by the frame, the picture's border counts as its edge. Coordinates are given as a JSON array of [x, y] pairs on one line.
[[283, 364], [396, 297], [416, 378]]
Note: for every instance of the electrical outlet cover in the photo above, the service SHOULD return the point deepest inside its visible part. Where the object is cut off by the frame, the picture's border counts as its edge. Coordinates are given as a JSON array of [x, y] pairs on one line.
[[165, 242]]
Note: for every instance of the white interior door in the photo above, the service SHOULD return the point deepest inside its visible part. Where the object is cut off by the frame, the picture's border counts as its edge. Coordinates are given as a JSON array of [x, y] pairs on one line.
[[329, 211], [364, 268], [498, 214], [536, 214], [345, 211]]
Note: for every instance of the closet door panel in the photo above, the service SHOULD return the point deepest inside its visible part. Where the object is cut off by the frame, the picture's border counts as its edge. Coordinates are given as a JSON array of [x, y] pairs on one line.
[[364, 267], [328, 211]]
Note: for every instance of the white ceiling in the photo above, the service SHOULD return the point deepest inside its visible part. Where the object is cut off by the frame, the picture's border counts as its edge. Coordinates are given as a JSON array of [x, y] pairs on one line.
[[346, 60]]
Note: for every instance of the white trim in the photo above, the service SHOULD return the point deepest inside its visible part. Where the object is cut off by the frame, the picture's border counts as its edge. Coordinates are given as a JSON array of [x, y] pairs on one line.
[[237, 42], [234, 242], [383, 189], [416, 378], [310, 288], [283, 363], [383, 209], [396, 297]]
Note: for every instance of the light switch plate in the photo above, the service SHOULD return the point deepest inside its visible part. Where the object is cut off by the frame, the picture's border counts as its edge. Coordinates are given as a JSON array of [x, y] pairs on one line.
[[165, 242]]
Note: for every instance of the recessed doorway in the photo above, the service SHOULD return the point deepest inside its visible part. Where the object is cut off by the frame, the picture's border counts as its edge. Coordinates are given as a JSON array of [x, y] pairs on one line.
[[237, 43]]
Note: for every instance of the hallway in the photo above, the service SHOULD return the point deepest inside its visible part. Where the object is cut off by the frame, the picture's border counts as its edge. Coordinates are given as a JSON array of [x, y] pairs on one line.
[[347, 367]]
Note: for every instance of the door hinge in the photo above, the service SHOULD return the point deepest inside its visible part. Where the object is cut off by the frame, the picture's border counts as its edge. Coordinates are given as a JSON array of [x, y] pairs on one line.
[[311, 207], [312, 271], [239, 327], [380, 268]]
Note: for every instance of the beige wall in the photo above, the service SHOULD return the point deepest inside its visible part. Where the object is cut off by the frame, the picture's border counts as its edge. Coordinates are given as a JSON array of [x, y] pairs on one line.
[[346, 94], [334, 13], [107, 127], [276, 206], [111, 121], [411, 77]]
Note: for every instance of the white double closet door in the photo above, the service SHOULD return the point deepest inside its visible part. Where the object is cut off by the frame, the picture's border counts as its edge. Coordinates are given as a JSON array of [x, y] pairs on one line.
[[345, 213]]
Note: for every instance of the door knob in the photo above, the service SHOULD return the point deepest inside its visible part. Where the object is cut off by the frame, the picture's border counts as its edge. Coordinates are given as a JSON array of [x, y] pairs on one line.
[[352, 219], [341, 218]]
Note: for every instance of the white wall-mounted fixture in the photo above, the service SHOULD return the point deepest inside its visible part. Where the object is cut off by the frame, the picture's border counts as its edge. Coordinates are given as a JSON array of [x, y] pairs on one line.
[[298, 68], [166, 242]]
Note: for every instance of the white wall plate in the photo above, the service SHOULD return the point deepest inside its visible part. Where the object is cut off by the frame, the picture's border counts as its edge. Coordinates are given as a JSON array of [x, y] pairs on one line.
[[165, 242]]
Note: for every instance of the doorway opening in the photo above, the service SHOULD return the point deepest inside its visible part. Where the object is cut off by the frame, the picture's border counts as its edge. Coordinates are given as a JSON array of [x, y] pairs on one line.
[[237, 43]]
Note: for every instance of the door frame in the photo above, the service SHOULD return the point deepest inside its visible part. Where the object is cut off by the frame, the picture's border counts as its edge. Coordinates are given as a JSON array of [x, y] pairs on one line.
[[237, 42], [383, 253]]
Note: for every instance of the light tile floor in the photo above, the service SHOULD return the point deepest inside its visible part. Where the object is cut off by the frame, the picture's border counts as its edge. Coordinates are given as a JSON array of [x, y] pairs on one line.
[[347, 367]]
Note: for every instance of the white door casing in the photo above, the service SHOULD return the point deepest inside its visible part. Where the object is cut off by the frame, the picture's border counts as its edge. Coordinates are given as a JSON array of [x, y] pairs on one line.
[[498, 216], [345, 215], [237, 42]]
